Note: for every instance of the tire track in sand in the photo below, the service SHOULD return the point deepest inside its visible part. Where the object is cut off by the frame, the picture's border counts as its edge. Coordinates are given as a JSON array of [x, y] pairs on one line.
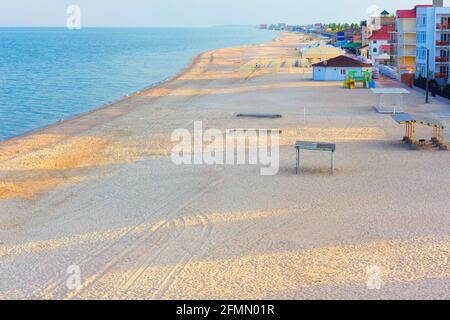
[[55, 284], [178, 225], [190, 253], [103, 271]]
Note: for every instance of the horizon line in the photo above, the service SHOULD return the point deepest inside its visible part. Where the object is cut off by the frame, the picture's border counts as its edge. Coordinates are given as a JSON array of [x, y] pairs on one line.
[[106, 26]]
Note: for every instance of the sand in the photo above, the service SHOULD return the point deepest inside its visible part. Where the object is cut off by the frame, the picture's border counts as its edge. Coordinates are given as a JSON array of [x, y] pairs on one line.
[[100, 192]]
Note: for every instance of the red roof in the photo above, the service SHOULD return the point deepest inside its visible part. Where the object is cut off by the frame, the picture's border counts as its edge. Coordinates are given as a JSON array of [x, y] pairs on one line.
[[385, 48], [382, 34], [342, 62], [410, 14]]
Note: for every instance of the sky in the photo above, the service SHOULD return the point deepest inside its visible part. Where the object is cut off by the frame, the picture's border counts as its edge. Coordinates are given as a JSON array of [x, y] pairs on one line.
[[192, 13]]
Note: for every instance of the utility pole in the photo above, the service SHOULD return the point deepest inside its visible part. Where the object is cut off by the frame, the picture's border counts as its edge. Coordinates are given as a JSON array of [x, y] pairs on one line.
[[428, 78]]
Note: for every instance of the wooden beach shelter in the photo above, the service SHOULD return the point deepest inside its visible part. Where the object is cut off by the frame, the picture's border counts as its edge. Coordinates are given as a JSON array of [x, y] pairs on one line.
[[411, 121]]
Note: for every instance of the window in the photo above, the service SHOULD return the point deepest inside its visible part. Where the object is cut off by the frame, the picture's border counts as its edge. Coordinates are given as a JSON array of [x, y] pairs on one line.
[[343, 72], [375, 50], [420, 70], [421, 53], [421, 20], [421, 37]]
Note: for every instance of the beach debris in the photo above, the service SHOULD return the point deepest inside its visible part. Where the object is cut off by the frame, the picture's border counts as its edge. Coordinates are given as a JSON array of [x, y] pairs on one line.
[[269, 131]]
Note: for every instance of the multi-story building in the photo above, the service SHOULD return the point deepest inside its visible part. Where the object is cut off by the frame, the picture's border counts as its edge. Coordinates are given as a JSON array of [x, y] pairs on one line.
[[379, 46], [364, 33], [375, 35], [403, 41], [433, 34], [375, 23]]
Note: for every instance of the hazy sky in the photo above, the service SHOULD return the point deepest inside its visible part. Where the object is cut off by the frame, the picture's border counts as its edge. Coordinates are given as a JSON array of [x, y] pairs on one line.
[[191, 12]]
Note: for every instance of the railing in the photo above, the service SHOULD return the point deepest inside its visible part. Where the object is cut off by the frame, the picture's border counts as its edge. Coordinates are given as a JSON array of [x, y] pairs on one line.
[[388, 72], [442, 59], [441, 75], [441, 26], [442, 43]]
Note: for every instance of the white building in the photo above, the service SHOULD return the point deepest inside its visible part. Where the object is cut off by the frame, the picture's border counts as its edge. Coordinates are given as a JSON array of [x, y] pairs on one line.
[[433, 33], [379, 46], [337, 69]]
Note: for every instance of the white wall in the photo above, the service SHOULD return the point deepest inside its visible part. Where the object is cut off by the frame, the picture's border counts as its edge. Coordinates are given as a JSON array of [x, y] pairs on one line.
[[376, 44], [334, 74]]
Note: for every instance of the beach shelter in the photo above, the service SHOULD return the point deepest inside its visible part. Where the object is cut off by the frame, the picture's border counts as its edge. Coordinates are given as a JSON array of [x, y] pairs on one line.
[[321, 53], [411, 121]]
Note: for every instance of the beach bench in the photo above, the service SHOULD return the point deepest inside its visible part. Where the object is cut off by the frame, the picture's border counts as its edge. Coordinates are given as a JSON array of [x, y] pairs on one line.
[[314, 146]]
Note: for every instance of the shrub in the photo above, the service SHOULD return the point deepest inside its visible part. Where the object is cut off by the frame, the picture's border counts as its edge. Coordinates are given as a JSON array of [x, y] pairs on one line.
[[420, 82], [446, 91]]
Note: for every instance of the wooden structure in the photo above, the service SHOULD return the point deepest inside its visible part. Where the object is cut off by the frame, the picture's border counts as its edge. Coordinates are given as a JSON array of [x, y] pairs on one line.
[[411, 121]]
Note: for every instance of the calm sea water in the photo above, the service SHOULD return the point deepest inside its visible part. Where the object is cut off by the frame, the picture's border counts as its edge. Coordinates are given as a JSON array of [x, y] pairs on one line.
[[47, 75]]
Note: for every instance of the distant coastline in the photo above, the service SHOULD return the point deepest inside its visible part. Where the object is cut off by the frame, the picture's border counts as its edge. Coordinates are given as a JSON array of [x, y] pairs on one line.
[[139, 89]]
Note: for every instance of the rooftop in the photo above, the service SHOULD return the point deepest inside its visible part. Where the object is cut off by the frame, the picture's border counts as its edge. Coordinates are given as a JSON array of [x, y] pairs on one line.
[[410, 14], [382, 34], [342, 61]]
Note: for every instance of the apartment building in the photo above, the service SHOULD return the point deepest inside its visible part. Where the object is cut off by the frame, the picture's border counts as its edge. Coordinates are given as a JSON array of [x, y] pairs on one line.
[[403, 41], [433, 33]]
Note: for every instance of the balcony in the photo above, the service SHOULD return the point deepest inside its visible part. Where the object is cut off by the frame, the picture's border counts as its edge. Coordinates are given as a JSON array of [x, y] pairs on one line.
[[441, 75], [442, 43], [442, 59], [441, 26]]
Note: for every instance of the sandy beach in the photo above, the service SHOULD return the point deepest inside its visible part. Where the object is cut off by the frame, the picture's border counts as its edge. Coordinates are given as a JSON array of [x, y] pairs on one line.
[[100, 192]]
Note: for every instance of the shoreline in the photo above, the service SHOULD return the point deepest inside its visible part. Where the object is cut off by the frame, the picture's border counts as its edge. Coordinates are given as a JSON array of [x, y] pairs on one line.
[[107, 105], [191, 64]]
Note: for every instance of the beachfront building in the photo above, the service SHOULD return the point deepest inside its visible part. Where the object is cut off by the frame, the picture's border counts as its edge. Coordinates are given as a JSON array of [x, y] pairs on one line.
[[433, 33], [364, 34], [351, 35], [403, 41], [320, 53], [375, 23], [337, 69], [379, 46], [364, 51]]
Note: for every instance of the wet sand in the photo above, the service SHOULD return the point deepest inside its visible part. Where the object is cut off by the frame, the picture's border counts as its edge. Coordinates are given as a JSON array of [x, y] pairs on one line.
[[101, 192]]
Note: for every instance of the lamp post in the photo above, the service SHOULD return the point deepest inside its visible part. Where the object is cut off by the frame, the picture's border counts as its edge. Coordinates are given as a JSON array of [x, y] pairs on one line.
[[428, 78]]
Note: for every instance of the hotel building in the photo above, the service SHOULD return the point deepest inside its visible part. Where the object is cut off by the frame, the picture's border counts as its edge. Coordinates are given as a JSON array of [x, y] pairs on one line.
[[433, 33], [403, 41]]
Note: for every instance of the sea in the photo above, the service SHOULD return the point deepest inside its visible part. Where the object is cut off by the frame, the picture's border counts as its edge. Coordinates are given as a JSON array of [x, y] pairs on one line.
[[51, 74]]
